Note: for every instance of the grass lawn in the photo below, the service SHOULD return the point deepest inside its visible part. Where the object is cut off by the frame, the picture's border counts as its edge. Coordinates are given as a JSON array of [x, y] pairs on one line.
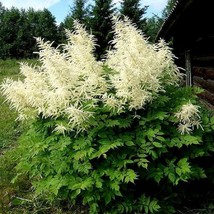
[[10, 129]]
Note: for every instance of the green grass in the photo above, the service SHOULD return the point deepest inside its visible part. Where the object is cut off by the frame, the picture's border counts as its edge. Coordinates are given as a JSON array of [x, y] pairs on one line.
[[10, 129], [8, 125], [11, 66]]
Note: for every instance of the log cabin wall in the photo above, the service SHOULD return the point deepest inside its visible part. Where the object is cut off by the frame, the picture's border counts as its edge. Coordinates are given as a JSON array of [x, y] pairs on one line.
[[204, 78], [190, 27], [203, 65]]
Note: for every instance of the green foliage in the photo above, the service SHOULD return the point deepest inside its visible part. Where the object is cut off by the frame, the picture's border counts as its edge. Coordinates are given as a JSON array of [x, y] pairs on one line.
[[153, 25], [168, 8], [125, 163], [18, 29], [133, 10], [101, 25], [77, 12], [18, 197], [8, 128], [9, 190], [38, 21], [2, 9], [9, 132]]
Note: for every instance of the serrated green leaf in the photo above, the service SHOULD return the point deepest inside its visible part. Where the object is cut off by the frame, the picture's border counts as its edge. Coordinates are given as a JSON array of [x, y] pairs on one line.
[[158, 145], [143, 162], [93, 208], [161, 115], [112, 123], [156, 174], [151, 133], [178, 171], [146, 208], [142, 155], [189, 140], [154, 155], [153, 206], [172, 177], [115, 186], [162, 139], [212, 120], [183, 162], [99, 184], [108, 195], [130, 176], [142, 122], [184, 165], [129, 143]]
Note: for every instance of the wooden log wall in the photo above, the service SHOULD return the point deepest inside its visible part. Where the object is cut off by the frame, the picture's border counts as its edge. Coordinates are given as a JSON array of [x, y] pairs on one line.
[[204, 78]]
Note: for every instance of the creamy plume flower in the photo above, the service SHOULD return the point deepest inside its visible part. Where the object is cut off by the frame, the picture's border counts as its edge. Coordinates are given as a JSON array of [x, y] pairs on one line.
[[141, 69], [65, 81], [185, 128], [60, 128], [113, 103], [77, 117], [189, 118], [71, 83]]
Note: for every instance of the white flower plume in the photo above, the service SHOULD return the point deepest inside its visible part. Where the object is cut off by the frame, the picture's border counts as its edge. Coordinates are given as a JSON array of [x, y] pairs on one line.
[[141, 70], [189, 118], [70, 84], [66, 84]]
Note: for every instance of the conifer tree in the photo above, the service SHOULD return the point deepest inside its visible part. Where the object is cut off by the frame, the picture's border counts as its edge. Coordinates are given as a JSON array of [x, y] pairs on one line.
[[101, 24], [168, 8], [18, 29], [10, 26], [153, 25], [1, 9], [133, 10], [77, 12]]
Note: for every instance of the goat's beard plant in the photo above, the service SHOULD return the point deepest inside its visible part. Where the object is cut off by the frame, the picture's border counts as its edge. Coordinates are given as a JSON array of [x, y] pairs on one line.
[[108, 132]]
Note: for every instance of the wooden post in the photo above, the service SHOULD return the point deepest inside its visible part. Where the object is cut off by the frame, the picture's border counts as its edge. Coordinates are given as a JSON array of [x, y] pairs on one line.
[[188, 68]]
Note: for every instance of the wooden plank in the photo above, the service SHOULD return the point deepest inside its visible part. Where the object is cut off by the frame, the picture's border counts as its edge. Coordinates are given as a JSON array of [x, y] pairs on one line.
[[188, 68], [203, 58], [206, 73], [209, 97], [206, 95], [207, 105], [203, 63], [206, 84]]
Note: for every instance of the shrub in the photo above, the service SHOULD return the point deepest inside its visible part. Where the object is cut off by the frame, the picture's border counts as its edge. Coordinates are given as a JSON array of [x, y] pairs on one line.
[[118, 135]]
